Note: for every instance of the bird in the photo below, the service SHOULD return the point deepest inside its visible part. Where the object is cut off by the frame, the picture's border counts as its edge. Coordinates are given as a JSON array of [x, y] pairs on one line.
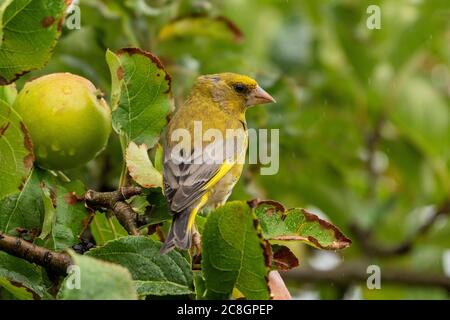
[[200, 173]]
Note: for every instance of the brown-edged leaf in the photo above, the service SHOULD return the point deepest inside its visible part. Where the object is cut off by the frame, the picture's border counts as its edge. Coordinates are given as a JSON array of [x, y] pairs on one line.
[[298, 224], [283, 258]]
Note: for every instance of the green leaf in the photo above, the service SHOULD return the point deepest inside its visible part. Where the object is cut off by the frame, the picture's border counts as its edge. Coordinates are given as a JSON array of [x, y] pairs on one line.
[[423, 116], [99, 280], [277, 223], [159, 154], [158, 211], [16, 151], [8, 93], [200, 285], [103, 231], [29, 29], [21, 278], [3, 5], [160, 288], [212, 27], [24, 209], [140, 96], [70, 215], [141, 168], [233, 254], [47, 207], [154, 273], [49, 212]]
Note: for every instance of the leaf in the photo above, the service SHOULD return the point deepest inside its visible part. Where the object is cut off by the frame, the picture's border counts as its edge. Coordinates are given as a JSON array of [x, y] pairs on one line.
[[8, 93], [283, 258], [140, 95], [200, 285], [70, 215], [159, 154], [202, 26], [154, 273], [99, 280], [49, 212], [16, 151], [277, 223], [158, 211], [233, 254], [47, 207], [3, 5], [21, 278], [24, 209], [30, 30], [160, 288], [422, 115], [101, 229], [141, 168]]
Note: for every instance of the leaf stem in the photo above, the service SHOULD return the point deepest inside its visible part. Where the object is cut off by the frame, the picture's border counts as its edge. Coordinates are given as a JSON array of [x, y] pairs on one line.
[[123, 175]]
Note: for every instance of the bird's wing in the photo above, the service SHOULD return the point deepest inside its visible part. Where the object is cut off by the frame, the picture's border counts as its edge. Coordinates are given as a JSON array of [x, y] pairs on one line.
[[187, 179]]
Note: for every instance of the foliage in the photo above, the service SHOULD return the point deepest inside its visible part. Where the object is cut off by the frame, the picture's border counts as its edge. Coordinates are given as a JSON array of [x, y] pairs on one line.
[[364, 123]]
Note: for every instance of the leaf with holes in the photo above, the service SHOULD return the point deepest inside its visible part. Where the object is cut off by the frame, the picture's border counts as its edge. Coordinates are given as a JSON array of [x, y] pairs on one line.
[[234, 254], [98, 280], [298, 225], [16, 151], [141, 168], [30, 30], [140, 95], [153, 273]]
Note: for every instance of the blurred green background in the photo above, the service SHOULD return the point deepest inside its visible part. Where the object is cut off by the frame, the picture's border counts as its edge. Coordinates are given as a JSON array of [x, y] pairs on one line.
[[364, 119]]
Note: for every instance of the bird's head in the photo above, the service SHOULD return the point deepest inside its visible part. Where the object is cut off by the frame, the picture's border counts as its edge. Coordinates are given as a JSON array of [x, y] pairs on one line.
[[233, 90]]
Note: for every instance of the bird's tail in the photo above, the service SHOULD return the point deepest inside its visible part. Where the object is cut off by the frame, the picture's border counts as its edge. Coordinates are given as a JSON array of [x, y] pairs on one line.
[[180, 234]]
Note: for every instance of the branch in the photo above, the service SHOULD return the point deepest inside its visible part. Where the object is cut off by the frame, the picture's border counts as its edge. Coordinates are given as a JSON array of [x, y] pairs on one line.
[[53, 261], [115, 201], [356, 272], [370, 247]]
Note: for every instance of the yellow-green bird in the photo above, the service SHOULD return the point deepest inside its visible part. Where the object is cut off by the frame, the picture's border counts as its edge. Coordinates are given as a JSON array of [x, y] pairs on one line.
[[205, 149]]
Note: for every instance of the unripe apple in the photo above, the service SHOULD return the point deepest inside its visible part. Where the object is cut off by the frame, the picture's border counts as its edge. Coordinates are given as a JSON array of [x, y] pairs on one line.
[[68, 120]]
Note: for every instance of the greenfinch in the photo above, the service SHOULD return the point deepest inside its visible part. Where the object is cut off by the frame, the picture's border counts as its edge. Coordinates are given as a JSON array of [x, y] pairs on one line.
[[205, 148]]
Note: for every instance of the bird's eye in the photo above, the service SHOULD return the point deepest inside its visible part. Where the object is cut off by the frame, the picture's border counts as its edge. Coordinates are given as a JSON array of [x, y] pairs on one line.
[[240, 88]]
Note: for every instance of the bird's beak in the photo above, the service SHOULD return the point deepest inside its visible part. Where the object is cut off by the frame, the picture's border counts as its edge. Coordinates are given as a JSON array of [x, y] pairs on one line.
[[259, 96]]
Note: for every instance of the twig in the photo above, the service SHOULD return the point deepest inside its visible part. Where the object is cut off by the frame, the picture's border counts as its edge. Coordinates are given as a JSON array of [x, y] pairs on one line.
[[357, 272], [115, 201], [372, 248], [53, 261]]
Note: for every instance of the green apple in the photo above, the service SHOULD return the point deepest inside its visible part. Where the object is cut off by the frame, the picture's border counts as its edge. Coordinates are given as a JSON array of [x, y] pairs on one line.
[[68, 120]]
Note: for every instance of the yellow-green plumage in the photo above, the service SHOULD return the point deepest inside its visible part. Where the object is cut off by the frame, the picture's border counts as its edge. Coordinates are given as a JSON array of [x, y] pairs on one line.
[[217, 102]]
